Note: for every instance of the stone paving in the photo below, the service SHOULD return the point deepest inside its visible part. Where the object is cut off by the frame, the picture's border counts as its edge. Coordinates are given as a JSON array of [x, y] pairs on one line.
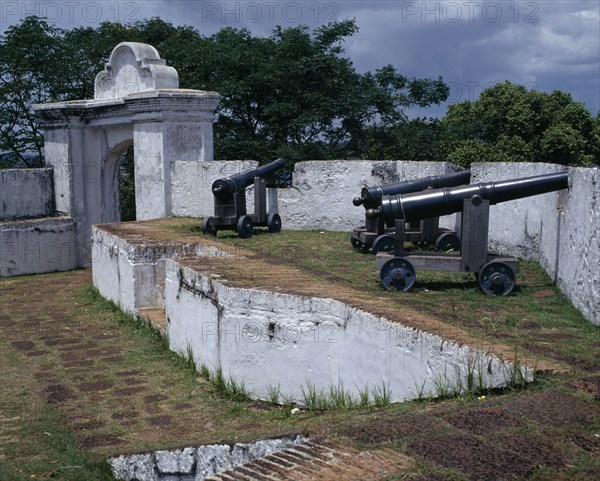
[[115, 403]]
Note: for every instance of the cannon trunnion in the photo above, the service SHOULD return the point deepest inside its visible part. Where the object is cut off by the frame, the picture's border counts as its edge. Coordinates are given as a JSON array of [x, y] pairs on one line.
[[495, 274], [230, 203], [376, 237]]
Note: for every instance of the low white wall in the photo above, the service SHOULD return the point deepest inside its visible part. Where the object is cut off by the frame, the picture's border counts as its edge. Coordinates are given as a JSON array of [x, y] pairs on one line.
[[271, 340], [38, 245], [560, 230], [192, 181], [322, 191], [26, 193], [131, 273]]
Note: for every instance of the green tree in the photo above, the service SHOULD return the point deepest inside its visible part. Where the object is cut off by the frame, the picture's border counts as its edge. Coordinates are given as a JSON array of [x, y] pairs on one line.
[[512, 124], [30, 71], [292, 93]]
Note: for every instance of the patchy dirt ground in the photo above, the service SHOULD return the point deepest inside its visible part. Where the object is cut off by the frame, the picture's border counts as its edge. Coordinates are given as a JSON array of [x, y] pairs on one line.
[[117, 397]]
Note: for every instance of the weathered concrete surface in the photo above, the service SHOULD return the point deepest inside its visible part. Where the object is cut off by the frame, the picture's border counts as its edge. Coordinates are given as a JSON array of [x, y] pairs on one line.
[[26, 193], [322, 191], [192, 181], [559, 229], [132, 273], [195, 463], [38, 245], [274, 340]]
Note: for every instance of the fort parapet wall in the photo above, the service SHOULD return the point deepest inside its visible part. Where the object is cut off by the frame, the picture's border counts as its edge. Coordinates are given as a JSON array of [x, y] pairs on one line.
[[560, 230]]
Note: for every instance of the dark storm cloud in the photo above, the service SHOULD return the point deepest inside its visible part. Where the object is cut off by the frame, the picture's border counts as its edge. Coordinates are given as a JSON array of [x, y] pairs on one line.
[[544, 44]]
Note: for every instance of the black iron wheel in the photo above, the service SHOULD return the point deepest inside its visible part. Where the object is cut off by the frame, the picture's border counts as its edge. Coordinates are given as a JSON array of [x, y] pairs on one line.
[[397, 273], [447, 242], [245, 227], [358, 245], [383, 243], [496, 278], [274, 223], [206, 227]]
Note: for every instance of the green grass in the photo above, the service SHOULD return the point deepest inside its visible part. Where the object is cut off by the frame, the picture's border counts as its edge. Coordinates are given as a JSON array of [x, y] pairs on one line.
[[36, 444], [536, 316]]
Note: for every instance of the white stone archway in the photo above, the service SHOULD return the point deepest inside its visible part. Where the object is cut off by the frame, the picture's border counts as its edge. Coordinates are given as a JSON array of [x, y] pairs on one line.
[[136, 102]]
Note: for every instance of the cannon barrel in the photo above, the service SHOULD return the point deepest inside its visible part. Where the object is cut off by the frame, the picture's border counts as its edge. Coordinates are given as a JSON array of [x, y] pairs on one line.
[[445, 201], [225, 188], [371, 197]]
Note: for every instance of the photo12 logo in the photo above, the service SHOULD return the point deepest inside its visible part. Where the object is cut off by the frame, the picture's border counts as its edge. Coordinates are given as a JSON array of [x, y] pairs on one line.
[[269, 11], [470, 11], [70, 11]]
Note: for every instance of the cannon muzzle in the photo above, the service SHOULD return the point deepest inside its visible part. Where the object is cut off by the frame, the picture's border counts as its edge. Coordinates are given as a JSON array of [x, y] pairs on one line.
[[371, 197], [445, 201], [225, 188]]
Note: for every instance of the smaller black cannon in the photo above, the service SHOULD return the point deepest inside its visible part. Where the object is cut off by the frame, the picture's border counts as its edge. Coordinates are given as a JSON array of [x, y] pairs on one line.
[[230, 203], [376, 237], [495, 274]]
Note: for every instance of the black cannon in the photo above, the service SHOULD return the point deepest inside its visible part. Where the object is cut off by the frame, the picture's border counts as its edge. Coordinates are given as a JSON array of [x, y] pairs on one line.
[[230, 203], [376, 237], [495, 275]]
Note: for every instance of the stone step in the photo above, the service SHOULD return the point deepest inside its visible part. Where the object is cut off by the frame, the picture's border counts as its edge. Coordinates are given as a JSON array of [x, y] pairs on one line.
[[156, 316], [314, 460]]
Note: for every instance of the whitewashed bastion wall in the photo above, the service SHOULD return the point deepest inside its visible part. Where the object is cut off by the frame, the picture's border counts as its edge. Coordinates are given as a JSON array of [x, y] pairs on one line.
[[138, 102]]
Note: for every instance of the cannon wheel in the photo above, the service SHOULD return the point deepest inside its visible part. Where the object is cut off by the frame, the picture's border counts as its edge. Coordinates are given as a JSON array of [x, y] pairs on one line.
[[358, 245], [206, 227], [496, 278], [447, 242], [383, 243], [245, 227], [274, 223], [397, 273]]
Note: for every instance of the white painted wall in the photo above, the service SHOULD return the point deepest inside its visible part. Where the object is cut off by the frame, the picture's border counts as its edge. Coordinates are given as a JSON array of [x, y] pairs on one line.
[[36, 246], [560, 230], [26, 193], [322, 191], [131, 272], [192, 181], [270, 339]]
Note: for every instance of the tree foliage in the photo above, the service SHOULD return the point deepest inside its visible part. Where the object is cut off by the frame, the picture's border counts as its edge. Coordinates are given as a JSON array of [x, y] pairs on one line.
[[512, 124], [292, 93]]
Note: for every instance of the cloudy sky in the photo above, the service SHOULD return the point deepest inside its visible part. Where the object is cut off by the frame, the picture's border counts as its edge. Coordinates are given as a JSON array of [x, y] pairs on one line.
[[472, 44]]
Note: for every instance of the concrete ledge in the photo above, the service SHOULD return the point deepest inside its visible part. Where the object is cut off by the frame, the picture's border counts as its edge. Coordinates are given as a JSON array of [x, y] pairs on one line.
[[26, 193], [37, 246], [130, 269], [274, 340]]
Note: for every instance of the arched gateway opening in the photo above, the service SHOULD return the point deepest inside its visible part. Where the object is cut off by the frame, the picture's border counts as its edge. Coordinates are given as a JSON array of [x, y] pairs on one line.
[[138, 108], [118, 184]]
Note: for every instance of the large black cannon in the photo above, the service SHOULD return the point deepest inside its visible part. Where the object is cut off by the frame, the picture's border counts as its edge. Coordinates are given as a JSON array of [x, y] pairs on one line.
[[375, 237], [495, 275], [230, 203]]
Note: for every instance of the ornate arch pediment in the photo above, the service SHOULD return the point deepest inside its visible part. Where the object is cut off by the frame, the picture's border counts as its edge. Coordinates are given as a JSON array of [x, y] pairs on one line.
[[134, 67]]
